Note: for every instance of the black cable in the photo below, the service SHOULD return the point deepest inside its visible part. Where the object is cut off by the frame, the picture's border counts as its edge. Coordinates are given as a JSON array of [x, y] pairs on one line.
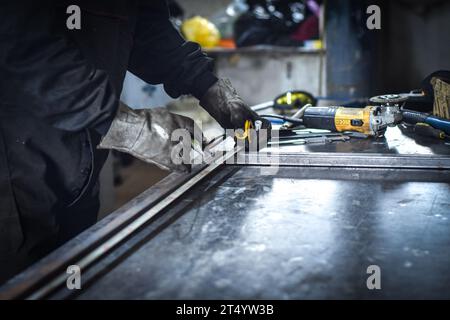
[[292, 120]]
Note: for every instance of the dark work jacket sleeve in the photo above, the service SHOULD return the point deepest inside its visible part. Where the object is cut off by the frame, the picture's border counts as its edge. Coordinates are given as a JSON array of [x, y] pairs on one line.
[[44, 74], [161, 55]]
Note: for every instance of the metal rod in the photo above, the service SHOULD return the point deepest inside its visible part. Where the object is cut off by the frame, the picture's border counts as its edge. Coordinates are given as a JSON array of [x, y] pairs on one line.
[[347, 160], [262, 106]]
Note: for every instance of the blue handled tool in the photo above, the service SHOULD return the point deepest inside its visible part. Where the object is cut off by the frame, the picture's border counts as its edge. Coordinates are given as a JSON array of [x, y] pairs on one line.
[[413, 117]]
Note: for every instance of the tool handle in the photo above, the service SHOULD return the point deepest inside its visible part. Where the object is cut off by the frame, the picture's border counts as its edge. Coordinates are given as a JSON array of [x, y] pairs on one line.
[[439, 123], [413, 117], [424, 129]]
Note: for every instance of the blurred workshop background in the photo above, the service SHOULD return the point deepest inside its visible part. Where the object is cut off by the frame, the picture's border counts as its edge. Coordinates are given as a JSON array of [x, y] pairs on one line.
[[266, 47]]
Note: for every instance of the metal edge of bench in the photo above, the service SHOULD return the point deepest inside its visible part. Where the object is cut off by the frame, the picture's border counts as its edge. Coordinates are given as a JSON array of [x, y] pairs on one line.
[[39, 272]]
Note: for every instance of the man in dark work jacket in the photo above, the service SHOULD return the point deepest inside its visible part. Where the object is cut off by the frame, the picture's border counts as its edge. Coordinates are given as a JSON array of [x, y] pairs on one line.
[[59, 98]]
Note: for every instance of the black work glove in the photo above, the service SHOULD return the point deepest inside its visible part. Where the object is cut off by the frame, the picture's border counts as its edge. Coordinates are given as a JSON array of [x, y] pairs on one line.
[[223, 103]]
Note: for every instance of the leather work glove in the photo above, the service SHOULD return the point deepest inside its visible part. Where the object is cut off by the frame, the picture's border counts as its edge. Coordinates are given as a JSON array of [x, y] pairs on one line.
[[147, 135], [223, 103]]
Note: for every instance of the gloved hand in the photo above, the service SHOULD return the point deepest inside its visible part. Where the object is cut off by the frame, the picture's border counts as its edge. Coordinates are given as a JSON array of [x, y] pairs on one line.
[[223, 103], [146, 134]]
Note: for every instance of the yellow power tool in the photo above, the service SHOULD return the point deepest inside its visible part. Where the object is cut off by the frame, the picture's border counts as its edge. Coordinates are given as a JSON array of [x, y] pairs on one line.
[[371, 120]]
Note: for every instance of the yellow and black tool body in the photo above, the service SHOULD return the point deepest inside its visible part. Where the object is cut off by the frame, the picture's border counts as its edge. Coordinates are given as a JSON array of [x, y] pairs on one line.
[[371, 120], [341, 119]]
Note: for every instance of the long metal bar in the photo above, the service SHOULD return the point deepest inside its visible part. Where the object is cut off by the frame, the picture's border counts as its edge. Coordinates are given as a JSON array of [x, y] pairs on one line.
[[35, 275], [111, 243], [345, 160], [262, 106]]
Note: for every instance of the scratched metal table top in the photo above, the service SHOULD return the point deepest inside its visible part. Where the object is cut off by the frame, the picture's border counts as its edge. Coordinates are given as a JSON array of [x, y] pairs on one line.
[[302, 233], [242, 235]]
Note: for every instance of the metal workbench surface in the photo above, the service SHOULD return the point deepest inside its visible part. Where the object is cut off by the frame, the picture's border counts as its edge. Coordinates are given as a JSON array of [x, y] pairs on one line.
[[289, 236], [309, 230]]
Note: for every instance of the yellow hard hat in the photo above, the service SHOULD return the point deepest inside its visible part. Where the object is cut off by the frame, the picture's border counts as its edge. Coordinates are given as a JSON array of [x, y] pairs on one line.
[[202, 31]]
